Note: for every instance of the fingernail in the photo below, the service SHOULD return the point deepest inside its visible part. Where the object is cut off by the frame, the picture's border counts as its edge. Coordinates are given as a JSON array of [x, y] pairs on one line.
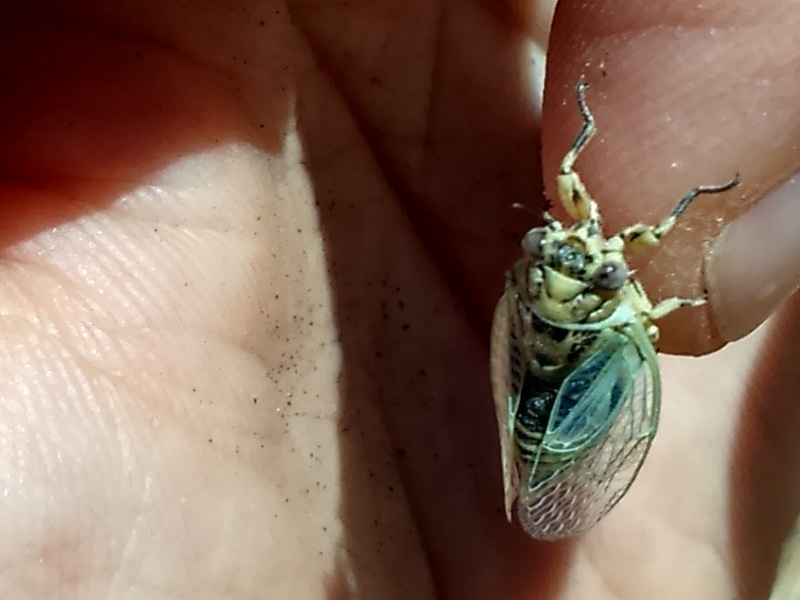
[[754, 265]]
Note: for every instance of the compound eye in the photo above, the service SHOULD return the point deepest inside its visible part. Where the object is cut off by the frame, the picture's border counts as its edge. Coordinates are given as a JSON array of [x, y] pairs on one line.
[[611, 276], [532, 242]]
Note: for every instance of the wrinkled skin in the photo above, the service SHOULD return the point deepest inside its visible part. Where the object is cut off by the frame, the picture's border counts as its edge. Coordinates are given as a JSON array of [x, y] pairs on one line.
[[250, 256]]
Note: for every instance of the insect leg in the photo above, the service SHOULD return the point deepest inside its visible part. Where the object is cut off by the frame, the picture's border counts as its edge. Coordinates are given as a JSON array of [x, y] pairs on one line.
[[643, 236], [571, 190], [661, 309], [669, 305]]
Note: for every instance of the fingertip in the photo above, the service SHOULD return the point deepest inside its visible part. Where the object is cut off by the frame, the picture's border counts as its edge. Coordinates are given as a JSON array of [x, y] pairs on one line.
[[684, 97], [754, 265]]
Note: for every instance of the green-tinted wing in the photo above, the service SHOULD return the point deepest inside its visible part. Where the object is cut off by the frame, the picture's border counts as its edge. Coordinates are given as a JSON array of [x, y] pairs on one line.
[[603, 422]]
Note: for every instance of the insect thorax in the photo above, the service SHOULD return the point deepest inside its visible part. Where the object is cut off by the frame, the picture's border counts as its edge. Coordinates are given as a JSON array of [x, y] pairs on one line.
[[570, 286]]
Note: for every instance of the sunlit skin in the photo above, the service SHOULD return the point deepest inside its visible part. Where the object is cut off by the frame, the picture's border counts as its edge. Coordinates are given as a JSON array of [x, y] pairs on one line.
[[250, 256]]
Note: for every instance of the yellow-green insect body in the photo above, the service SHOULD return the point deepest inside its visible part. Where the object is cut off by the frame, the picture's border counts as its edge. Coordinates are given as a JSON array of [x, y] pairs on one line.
[[574, 372]]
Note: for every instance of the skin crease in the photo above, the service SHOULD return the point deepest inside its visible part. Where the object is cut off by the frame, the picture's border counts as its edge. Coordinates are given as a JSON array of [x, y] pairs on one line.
[[250, 255]]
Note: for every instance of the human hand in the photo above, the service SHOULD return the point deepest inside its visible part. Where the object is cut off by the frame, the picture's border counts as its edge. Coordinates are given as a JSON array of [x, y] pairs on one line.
[[251, 254]]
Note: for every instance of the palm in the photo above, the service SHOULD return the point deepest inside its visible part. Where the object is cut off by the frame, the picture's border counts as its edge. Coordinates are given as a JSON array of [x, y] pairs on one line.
[[247, 317]]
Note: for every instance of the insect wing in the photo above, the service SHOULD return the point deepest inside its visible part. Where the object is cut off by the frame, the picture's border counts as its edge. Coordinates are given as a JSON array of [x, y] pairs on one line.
[[592, 395], [506, 367], [595, 442]]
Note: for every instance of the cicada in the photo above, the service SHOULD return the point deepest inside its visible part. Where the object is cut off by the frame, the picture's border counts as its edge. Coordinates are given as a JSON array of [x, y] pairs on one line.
[[575, 377]]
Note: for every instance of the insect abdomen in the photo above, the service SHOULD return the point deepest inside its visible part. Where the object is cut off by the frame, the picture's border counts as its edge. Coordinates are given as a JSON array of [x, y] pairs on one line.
[[536, 403], [535, 411]]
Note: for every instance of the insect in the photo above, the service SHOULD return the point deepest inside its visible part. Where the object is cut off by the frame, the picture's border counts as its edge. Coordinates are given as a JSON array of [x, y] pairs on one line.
[[575, 378]]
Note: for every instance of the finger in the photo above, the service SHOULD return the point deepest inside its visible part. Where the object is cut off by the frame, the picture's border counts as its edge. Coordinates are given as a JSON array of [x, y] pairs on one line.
[[754, 264], [765, 464], [683, 96]]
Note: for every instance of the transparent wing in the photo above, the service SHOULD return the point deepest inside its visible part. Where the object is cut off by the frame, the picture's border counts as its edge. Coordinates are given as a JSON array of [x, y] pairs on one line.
[[506, 366], [599, 432]]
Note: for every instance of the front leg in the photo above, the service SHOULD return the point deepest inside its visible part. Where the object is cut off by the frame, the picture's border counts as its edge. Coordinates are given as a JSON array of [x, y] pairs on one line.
[[571, 190], [641, 236]]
